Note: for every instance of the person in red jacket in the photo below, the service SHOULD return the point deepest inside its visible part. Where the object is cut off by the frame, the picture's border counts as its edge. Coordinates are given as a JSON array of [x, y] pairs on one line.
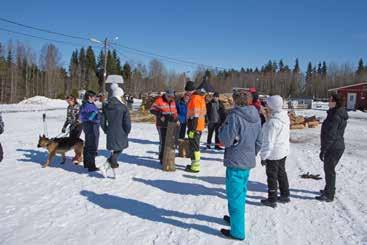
[[164, 108]]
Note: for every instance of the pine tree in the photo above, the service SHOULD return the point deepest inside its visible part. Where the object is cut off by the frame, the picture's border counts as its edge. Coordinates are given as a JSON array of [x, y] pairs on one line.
[[126, 74], [324, 70], [361, 69], [91, 69], [319, 69], [73, 72], [296, 69], [309, 72], [281, 66], [100, 69], [82, 69]]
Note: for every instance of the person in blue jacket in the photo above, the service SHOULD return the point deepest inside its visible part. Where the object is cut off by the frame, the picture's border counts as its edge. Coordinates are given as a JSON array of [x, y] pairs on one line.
[[90, 119], [242, 138], [182, 115]]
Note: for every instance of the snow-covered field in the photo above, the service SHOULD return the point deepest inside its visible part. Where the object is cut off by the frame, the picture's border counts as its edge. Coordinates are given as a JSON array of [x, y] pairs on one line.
[[63, 204]]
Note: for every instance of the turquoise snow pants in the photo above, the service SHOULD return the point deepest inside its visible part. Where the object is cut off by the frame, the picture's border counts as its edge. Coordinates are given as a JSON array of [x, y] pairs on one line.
[[236, 187]]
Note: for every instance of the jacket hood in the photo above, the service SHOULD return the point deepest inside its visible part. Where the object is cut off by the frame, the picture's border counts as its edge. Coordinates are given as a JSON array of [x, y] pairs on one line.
[[282, 116], [249, 113], [342, 113], [112, 102]]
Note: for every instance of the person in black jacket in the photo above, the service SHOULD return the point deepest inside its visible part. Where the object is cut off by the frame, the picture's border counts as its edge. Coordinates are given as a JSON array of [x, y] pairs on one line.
[[215, 112], [117, 126], [332, 144]]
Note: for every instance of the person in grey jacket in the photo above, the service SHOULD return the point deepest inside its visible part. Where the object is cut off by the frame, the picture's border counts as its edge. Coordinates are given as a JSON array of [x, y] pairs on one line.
[[117, 125], [214, 115], [242, 138]]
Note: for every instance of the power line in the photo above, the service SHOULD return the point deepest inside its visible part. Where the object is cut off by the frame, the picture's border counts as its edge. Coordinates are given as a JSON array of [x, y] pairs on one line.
[[177, 61], [152, 56], [41, 38], [137, 51], [43, 30]]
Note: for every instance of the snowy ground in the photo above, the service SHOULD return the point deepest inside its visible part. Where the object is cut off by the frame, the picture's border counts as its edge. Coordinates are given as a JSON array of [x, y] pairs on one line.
[[63, 204]]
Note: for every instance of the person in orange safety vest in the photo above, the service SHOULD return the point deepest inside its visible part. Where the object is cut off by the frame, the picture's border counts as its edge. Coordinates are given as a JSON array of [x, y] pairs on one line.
[[164, 108], [196, 112]]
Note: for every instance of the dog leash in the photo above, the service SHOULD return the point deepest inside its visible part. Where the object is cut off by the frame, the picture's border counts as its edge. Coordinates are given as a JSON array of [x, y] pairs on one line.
[[45, 131]]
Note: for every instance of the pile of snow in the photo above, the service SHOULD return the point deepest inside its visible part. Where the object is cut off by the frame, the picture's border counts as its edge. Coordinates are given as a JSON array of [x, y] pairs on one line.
[[41, 100], [37, 103]]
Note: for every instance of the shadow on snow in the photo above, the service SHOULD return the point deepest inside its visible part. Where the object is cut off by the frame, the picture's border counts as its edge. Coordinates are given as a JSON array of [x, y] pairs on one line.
[[40, 157], [149, 212]]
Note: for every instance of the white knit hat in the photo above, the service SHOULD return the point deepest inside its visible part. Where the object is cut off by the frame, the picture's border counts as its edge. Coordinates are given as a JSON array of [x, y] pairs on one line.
[[118, 92], [275, 103]]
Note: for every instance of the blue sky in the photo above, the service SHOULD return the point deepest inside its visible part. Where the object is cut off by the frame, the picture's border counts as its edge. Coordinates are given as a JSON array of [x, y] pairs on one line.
[[244, 33]]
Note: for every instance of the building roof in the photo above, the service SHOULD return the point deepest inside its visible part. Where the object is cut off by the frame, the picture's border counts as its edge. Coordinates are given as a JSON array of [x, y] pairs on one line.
[[348, 86]]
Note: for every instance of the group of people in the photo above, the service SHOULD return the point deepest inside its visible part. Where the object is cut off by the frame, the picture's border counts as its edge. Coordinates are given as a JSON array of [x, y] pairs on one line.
[[247, 130], [113, 118]]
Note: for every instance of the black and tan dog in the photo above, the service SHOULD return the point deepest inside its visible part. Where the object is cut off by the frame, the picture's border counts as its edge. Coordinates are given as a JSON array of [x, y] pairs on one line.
[[61, 146]]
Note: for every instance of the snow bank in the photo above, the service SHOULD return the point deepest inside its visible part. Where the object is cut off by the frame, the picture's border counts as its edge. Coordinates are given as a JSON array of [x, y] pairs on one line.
[[37, 103]]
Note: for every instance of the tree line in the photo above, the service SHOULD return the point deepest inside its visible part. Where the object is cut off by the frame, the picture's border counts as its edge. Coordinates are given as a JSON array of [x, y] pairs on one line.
[[23, 74]]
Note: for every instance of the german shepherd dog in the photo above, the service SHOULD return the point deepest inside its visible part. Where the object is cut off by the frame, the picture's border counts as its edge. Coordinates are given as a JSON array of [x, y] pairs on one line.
[[61, 146]]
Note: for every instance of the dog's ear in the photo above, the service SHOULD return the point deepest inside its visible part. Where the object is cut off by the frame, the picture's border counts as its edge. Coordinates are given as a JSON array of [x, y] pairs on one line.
[[43, 136]]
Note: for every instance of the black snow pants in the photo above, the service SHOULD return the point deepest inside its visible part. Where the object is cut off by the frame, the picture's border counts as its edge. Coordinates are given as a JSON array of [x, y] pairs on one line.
[[113, 159], [213, 128], [275, 171], [91, 131], [332, 158]]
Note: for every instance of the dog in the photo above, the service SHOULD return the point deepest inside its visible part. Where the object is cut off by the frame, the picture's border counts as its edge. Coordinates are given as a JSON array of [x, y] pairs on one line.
[[61, 146]]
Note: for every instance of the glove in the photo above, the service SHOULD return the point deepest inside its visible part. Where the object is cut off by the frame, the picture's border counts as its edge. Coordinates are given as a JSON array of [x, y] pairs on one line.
[[322, 156], [263, 162], [191, 134], [63, 130]]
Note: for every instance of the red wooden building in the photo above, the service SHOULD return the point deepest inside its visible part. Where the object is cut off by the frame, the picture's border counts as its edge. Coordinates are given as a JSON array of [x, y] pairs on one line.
[[355, 94]]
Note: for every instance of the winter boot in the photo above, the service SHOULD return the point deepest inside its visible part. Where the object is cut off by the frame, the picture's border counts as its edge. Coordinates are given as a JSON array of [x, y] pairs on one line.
[[227, 219], [105, 166], [227, 233], [195, 163], [283, 199], [269, 203], [324, 198]]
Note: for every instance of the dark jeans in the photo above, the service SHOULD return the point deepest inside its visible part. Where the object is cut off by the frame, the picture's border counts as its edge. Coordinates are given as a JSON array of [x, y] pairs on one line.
[[182, 132], [163, 133], [113, 159], [213, 127], [75, 132], [332, 158], [275, 171], [194, 144], [91, 131]]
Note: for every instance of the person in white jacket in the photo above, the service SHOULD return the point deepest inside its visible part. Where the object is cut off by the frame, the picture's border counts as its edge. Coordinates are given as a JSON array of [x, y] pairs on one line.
[[274, 151]]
